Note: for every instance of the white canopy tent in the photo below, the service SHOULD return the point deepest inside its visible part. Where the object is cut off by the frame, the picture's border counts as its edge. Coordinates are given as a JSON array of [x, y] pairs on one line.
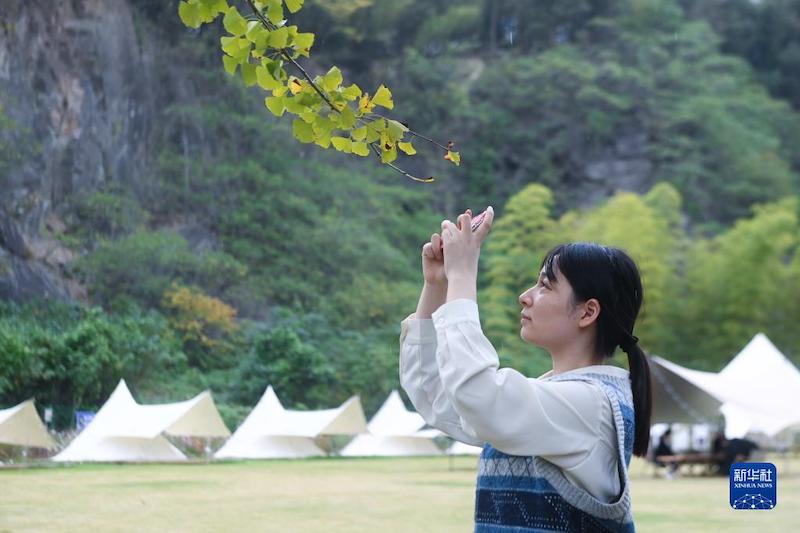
[[124, 430], [21, 426], [685, 437], [757, 392], [271, 432], [682, 395], [394, 431]]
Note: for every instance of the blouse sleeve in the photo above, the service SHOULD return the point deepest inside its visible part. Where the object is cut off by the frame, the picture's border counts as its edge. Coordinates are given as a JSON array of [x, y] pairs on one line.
[[419, 377], [557, 421]]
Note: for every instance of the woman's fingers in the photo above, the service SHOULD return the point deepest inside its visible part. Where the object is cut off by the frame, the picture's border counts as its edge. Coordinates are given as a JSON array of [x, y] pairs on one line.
[[440, 252], [436, 243], [448, 229], [465, 220], [486, 226]]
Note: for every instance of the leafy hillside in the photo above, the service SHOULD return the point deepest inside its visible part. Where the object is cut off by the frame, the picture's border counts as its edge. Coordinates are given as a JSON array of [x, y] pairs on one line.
[[184, 239]]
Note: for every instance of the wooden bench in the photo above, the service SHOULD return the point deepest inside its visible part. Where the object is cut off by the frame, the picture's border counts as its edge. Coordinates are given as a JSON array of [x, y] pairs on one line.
[[706, 461]]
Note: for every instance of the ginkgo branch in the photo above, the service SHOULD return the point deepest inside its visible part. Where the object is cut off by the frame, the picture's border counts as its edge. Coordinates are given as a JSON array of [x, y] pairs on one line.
[[311, 125], [271, 27], [412, 132]]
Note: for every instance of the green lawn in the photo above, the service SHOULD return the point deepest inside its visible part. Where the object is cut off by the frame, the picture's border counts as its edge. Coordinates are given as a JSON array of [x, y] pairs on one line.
[[384, 495]]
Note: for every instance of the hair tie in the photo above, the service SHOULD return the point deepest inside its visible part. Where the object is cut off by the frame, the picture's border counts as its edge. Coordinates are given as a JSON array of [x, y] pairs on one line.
[[629, 343]]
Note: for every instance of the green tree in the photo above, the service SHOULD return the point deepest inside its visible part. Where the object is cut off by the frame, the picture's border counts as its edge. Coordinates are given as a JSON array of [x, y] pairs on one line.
[[630, 100], [72, 357], [629, 222], [740, 283], [364, 362], [207, 326], [764, 33], [299, 374], [520, 238], [140, 267]]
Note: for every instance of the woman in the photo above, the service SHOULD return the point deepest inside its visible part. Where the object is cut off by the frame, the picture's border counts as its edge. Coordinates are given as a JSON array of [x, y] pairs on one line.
[[555, 449]]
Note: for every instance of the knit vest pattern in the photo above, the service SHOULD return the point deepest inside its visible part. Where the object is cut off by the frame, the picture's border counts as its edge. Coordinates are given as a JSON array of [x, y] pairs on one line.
[[526, 494]]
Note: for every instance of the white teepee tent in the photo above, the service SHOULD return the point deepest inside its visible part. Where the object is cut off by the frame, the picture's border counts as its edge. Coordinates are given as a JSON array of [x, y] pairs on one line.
[[270, 431], [394, 431], [761, 389], [125, 431], [21, 426]]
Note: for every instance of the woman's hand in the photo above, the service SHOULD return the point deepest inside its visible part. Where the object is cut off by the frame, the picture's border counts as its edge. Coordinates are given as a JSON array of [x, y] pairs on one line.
[[433, 262], [462, 247]]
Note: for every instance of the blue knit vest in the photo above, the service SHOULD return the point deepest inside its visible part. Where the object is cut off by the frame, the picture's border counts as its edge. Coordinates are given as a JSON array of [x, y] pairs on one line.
[[526, 494]]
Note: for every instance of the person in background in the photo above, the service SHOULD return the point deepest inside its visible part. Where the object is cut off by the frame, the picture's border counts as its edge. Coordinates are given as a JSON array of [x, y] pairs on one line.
[[718, 444], [736, 451], [727, 452], [665, 448]]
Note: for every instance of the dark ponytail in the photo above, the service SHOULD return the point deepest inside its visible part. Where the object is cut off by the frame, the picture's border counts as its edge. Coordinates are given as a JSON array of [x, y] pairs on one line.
[[642, 398], [612, 277]]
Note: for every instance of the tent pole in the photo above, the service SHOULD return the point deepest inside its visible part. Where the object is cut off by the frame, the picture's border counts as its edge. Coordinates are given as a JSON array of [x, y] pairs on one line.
[[786, 454]]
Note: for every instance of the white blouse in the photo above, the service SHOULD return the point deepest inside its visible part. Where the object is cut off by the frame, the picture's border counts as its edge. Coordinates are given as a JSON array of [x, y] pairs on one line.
[[451, 373]]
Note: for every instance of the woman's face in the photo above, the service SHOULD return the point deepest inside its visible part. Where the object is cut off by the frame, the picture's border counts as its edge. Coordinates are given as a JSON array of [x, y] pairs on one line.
[[548, 315]]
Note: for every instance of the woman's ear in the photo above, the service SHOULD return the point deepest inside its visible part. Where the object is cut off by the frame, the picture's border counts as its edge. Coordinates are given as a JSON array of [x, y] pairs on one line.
[[590, 311]]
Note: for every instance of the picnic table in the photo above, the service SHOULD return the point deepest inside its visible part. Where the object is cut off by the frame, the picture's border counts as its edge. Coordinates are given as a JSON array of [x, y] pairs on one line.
[[706, 461]]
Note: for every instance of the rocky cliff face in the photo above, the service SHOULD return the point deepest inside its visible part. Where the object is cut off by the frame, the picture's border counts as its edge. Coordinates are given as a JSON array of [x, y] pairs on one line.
[[79, 87]]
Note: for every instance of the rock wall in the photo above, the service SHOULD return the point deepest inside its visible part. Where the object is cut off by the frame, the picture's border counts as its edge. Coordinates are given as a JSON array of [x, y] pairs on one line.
[[78, 82]]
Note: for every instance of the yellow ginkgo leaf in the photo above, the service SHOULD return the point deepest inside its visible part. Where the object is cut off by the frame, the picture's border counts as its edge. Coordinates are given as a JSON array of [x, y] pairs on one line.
[[275, 105], [388, 155], [352, 92], [343, 144], [387, 143], [383, 97], [408, 148], [359, 134], [265, 79], [295, 85], [360, 148], [364, 104], [455, 157]]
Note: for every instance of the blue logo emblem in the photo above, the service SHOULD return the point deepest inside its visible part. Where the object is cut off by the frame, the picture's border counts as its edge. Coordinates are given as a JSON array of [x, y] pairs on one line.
[[754, 486]]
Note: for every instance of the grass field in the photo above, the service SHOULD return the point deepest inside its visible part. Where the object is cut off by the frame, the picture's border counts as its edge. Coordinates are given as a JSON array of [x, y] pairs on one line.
[[384, 495]]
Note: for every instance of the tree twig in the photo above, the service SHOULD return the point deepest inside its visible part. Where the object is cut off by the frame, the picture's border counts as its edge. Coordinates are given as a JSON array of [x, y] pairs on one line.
[[398, 169], [267, 24], [411, 132]]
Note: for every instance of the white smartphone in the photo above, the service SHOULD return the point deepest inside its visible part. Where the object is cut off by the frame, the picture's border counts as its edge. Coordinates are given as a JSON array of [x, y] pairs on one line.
[[476, 222]]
